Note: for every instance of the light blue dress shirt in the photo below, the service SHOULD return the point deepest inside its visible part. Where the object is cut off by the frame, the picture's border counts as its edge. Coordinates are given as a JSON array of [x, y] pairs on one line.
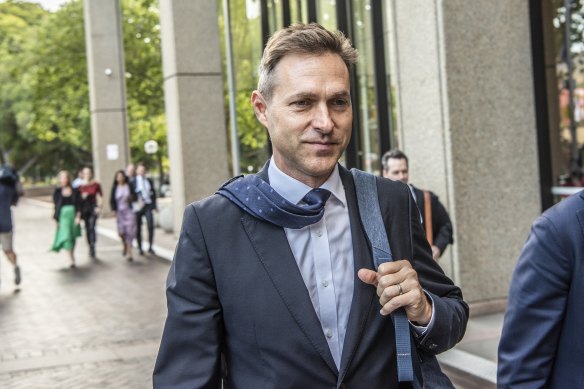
[[324, 255]]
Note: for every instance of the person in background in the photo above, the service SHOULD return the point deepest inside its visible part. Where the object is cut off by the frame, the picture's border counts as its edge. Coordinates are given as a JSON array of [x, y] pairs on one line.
[[122, 196], [147, 200], [67, 215], [79, 180], [91, 203], [439, 230], [131, 173], [8, 198]]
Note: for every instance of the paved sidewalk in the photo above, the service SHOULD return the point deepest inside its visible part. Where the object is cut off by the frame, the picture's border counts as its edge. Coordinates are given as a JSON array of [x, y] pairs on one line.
[[99, 325], [96, 326]]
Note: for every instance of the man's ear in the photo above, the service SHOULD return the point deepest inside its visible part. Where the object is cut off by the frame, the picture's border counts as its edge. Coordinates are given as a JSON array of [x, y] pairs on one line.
[[260, 107]]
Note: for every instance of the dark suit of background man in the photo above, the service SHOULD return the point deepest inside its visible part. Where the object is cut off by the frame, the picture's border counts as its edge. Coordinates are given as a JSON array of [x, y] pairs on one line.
[[147, 197], [542, 344], [395, 167], [300, 308]]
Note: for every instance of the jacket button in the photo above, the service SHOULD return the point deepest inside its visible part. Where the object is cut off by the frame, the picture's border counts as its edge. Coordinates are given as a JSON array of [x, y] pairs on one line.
[[432, 346]]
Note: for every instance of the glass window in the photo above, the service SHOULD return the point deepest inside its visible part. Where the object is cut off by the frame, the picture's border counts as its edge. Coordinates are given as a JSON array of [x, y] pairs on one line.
[[368, 112], [246, 38], [569, 54], [326, 13]]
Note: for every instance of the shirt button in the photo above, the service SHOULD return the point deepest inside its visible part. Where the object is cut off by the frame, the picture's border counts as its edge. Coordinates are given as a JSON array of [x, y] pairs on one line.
[[318, 233], [329, 334], [325, 283]]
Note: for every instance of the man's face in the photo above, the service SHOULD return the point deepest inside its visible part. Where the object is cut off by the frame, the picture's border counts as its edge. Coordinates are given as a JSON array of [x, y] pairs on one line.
[[397, 169], [309, 116], [140, 170]]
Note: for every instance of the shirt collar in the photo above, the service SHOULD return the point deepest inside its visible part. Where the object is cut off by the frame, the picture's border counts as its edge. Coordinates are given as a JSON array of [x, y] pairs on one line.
[[294, 190]]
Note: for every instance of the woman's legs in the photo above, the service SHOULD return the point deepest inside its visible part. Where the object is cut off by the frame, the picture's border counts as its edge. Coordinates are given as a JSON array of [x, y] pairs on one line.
[[128, 243], [124, 245], [72, 257]]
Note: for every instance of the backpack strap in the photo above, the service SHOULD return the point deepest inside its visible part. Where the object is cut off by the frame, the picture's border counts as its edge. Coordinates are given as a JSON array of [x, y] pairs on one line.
[[370, 214]]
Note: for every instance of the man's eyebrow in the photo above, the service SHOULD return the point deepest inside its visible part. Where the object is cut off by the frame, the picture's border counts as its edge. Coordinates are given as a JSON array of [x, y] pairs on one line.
[[303, 95], [344, 94]]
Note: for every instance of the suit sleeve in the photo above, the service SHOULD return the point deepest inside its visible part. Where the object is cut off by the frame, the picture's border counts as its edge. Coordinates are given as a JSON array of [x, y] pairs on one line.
[[190, 350], [407, 239], [450, 311], [442, 225], [535, 309]]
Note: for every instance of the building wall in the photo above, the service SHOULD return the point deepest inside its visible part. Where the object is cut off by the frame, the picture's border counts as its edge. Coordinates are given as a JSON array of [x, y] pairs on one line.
[[465, 104]]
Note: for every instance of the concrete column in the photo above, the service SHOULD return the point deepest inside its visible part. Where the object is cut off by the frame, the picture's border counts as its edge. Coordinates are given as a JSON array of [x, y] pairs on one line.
[[462, 71], [193, 91], [107, 94]]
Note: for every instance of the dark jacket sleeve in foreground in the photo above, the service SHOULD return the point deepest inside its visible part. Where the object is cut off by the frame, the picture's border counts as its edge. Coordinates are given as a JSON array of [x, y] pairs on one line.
[[450, 311], [536, 308], [189, 355]]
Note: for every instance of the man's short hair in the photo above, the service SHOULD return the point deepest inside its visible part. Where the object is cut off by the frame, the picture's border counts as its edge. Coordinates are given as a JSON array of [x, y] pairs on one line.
[[311, 39], [393, 154]]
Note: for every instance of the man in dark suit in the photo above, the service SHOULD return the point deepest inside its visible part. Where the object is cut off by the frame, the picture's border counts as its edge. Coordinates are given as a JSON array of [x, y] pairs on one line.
[[439, 231], [541, 344], [147, 199], [272, 283]]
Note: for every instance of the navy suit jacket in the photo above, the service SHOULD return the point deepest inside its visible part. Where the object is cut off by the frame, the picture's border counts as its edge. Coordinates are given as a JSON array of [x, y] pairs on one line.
[[237, 300], [542, 344]]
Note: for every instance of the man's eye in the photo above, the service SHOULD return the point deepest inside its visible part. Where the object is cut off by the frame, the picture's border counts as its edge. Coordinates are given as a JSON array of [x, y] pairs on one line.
[[341, 102]]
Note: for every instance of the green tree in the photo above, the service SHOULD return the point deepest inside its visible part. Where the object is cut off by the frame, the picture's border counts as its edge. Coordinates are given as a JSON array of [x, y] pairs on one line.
[[44, 99], [19, 23], [145, 95]]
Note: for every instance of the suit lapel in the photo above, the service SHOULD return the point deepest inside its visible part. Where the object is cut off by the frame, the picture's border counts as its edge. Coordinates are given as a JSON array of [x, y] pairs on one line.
[[277, 258], [363, 294]]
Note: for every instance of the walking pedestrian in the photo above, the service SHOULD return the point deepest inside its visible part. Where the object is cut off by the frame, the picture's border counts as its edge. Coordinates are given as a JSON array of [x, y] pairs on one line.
[[122, 196], [67, 215], [8, 198], [91, 203], [147, 204], [273, 280], [131, 173], [79, 180], [435, 219]]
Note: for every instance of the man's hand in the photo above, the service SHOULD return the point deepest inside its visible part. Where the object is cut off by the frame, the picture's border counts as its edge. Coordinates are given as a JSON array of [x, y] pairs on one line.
[[436, 253], [398, 286]]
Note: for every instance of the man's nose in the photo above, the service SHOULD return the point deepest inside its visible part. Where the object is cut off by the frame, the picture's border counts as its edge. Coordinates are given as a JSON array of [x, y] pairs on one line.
[[322, 119]]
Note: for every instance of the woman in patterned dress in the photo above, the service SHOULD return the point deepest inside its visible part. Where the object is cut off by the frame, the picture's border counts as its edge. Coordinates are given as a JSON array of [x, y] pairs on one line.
[[122, 196]]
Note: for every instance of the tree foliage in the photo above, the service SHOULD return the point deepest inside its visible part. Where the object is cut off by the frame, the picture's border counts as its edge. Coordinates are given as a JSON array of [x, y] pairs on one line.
[[44, 97]]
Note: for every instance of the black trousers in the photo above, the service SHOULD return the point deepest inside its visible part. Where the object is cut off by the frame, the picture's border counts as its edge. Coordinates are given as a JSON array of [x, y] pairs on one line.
[[146, 211], [90, 220]]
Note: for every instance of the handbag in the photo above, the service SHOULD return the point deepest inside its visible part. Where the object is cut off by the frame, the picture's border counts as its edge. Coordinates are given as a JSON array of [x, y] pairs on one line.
[[77, 230], [370, 214]]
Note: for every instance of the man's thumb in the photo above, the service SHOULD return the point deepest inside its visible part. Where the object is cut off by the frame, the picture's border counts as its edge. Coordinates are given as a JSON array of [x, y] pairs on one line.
[[367, 276]]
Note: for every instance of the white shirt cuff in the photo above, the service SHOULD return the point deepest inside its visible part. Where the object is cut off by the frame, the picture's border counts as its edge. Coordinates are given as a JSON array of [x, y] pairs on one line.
[[421, 330]]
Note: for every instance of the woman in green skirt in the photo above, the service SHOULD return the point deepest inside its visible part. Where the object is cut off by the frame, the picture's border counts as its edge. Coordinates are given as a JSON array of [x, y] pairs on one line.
[[67, 214]]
